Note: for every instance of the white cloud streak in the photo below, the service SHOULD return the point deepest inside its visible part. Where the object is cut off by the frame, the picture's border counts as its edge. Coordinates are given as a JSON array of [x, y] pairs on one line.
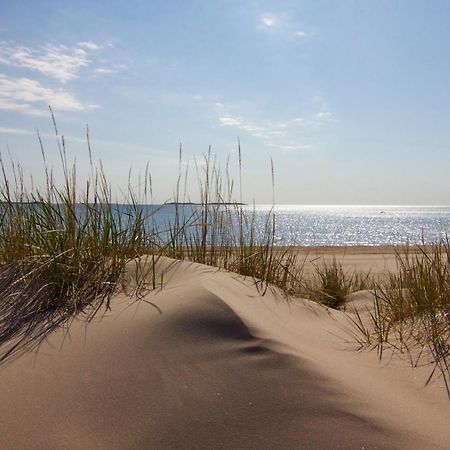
[[323, 115], [109, 70], [55, 61], [104, 71], [242, 124], [294, 147], [30, 97], [15, 131], [280, 135], [90, 45]]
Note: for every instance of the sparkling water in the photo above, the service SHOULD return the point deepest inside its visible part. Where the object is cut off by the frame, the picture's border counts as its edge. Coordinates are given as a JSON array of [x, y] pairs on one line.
[[320, 225], [359, 225]]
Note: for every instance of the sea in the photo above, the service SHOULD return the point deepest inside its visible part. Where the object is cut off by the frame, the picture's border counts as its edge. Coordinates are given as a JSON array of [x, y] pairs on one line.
[[343, 225]]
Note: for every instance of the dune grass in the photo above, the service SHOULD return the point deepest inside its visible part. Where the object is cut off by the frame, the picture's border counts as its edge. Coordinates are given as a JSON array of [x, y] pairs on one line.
[[222, 232], [331, 284], [64, 249], [411, 312]]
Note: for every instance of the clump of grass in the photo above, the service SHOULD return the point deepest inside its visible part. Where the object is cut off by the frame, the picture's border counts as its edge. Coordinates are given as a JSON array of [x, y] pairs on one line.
[[411, 313], [221, 232], [62, 252], [331, 285]]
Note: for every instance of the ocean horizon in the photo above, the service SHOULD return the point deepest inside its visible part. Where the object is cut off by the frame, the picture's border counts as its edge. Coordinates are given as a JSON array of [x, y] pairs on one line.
[[342, 225]]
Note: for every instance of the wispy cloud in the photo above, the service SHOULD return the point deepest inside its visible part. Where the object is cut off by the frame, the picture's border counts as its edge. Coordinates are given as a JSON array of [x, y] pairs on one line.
[[300, 34], [269, 20], [323, 115], [239, 122], [55, 61], [22, 108], [298, 133], [230, 121], [104, 71], [59, 62], [293, 147], [90, 45], [30, 97], [280, 135], [109, 70], [265, 131], [283, 25], [15, 131]]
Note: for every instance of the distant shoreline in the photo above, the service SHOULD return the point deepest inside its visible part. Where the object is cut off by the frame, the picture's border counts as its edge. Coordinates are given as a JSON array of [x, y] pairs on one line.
[[209, 203]]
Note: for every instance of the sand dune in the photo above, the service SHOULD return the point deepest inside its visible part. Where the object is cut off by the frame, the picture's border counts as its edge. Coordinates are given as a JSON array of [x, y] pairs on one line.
[[220, 368]]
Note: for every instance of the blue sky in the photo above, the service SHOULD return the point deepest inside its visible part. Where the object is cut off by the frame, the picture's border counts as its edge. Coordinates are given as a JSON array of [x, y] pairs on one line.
[[350, 98]]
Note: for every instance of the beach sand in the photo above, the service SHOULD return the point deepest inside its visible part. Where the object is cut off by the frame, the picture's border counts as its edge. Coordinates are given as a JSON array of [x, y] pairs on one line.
[[221, 367], [373, 260]]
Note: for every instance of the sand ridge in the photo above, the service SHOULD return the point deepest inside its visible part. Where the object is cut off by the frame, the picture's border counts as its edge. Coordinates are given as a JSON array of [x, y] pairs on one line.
[[221, 367]]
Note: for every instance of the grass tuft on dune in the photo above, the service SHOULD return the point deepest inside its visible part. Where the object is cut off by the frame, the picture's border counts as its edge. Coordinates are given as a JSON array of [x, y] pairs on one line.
[[411, 313]]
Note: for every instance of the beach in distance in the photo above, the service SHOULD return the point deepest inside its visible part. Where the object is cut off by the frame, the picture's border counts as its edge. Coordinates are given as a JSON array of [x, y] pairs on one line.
[[206, 361]]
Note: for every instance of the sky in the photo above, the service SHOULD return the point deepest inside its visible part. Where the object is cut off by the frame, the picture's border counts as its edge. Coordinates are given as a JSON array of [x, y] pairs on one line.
[[350, 98]]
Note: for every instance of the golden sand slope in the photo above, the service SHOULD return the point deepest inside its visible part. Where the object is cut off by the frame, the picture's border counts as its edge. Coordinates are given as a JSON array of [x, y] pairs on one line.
[[220, 368]]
